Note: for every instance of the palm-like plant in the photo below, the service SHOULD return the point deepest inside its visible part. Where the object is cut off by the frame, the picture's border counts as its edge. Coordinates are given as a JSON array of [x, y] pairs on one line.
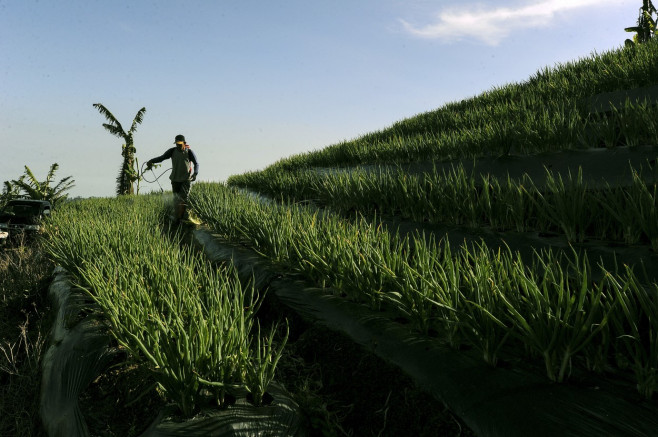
[[128, 172], [9, 191], [34, 189], [646, 25]]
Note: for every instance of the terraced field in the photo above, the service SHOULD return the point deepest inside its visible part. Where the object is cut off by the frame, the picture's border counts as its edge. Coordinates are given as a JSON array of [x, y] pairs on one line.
[[487, 268]]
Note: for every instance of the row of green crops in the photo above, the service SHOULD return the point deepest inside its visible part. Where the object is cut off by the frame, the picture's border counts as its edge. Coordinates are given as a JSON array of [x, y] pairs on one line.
[[565, 205], [550, 111], [551, 309], [191, 322]]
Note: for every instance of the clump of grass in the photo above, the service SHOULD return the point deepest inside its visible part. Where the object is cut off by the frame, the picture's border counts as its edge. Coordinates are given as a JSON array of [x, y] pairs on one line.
[[24, 273], [166, 305], [566, 205], [266, 356], [635, 328], [551, 308]]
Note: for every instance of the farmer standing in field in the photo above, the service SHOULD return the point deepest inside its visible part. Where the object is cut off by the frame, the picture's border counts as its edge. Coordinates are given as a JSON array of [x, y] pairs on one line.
[[184, 169]]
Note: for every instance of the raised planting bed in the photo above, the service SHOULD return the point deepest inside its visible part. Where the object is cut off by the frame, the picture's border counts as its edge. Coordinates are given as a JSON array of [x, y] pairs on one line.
[[141, 300], [599, 252], [81, 387], [605, 102], [565, 310], [600, 166], [563, 201], [511, 400]]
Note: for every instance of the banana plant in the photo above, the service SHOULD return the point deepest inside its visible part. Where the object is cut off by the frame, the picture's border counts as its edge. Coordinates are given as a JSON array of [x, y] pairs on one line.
[[9, 191], [41, 190], [128, 173], [646, 25]]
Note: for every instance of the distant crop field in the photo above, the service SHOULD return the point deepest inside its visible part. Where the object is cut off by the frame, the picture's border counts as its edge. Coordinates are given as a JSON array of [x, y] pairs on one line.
[[552, 110]]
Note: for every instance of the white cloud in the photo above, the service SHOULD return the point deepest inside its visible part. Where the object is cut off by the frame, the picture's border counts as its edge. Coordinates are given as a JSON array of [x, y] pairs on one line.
[[492, 25]]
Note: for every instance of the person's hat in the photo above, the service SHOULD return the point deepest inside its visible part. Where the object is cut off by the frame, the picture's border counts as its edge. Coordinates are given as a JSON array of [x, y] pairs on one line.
[[179, 138]]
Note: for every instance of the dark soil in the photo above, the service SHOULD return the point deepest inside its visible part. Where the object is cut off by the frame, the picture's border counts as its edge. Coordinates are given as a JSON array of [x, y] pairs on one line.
[[24, 324], [362, 394], [123, 401], [343, 389]]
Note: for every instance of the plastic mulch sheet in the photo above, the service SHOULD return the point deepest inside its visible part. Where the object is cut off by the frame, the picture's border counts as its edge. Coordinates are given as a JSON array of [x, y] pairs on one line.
[[600, 166], [492, 402], [75, 357], [281, 418], [644, 260]]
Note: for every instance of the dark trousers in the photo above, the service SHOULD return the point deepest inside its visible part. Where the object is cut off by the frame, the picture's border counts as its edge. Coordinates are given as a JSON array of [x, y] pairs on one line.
[[181, 190]]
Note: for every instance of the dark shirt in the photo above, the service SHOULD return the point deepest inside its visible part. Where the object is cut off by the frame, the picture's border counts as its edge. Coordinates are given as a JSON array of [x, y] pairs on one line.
[[180, 163]]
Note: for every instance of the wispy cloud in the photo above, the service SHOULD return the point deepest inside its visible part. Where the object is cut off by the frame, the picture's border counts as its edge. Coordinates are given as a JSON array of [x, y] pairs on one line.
[[493, 24]]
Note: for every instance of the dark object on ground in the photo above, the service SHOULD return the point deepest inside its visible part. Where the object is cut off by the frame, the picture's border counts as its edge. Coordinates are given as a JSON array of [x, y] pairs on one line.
[[22, 217]]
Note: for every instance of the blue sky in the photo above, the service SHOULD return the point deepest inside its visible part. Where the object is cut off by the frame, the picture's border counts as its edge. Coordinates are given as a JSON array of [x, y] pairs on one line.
[[249, 82]]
